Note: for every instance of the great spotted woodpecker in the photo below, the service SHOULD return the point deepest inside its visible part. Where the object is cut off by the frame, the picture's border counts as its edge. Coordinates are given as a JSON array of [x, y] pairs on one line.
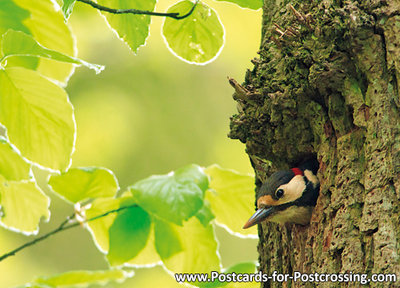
[[288, 196]]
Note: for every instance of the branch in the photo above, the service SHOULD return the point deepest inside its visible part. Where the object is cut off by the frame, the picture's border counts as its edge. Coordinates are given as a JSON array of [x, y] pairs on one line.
[[174, 15], [62, 227]]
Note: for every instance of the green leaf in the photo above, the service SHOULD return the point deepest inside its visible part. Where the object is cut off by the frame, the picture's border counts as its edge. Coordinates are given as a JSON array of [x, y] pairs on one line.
[[239, 268], [198, 38], [12, 166], [56, 36], [38, 116], [99, 229], [148, 256], [252, 4], [132, 29], [243, 268], [174, 197], [12, 16], [23, 205], [129, 234], [192, 174], [199, 249], [167, 240], [83, 278], [17, 43], [79, 184], [67, 7], [205, 215], [231, 196]]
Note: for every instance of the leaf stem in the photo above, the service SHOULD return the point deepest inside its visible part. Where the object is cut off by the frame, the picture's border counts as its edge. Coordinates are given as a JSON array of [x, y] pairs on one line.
[[68, 223], [173, 15]]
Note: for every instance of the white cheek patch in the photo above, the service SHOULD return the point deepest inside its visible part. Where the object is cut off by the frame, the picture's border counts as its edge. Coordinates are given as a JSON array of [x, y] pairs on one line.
[[311, 177], [292, 190]]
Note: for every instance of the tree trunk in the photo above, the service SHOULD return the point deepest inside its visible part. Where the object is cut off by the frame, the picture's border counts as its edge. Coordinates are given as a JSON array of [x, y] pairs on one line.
[[326, 85]]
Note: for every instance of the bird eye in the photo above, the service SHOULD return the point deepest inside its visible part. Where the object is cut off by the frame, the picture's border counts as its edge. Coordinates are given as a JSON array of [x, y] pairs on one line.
[[279, 193]]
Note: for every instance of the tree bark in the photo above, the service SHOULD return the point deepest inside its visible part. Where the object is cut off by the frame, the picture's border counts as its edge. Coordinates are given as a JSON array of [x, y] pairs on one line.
[[326, 85]]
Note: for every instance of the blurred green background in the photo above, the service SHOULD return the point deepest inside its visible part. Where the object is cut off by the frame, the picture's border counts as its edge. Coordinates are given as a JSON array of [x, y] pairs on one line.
[[145, 114]]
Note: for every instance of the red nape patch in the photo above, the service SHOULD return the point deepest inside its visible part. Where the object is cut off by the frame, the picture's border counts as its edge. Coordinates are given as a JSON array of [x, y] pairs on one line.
[[297, 171]]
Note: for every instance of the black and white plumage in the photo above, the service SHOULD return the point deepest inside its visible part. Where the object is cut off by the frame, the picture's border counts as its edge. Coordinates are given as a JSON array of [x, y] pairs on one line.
[[288, 196]]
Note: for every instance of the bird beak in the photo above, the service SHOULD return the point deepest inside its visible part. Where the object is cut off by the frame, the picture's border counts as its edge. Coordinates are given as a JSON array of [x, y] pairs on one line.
[[260, 215]]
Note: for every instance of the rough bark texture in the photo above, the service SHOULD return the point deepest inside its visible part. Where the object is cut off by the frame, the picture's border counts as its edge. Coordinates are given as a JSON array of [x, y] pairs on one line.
[[329, 88]]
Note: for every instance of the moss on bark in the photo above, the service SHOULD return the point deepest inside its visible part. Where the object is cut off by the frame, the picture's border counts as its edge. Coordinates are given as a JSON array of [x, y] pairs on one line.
[[329, 88]]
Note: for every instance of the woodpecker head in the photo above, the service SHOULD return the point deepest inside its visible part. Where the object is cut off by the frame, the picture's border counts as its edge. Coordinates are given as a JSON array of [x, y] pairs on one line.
[[287, 196]]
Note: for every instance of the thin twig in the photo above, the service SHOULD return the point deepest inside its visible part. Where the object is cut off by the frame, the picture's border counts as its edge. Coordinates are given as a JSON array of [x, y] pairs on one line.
[[62, 227], [173, 15]]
